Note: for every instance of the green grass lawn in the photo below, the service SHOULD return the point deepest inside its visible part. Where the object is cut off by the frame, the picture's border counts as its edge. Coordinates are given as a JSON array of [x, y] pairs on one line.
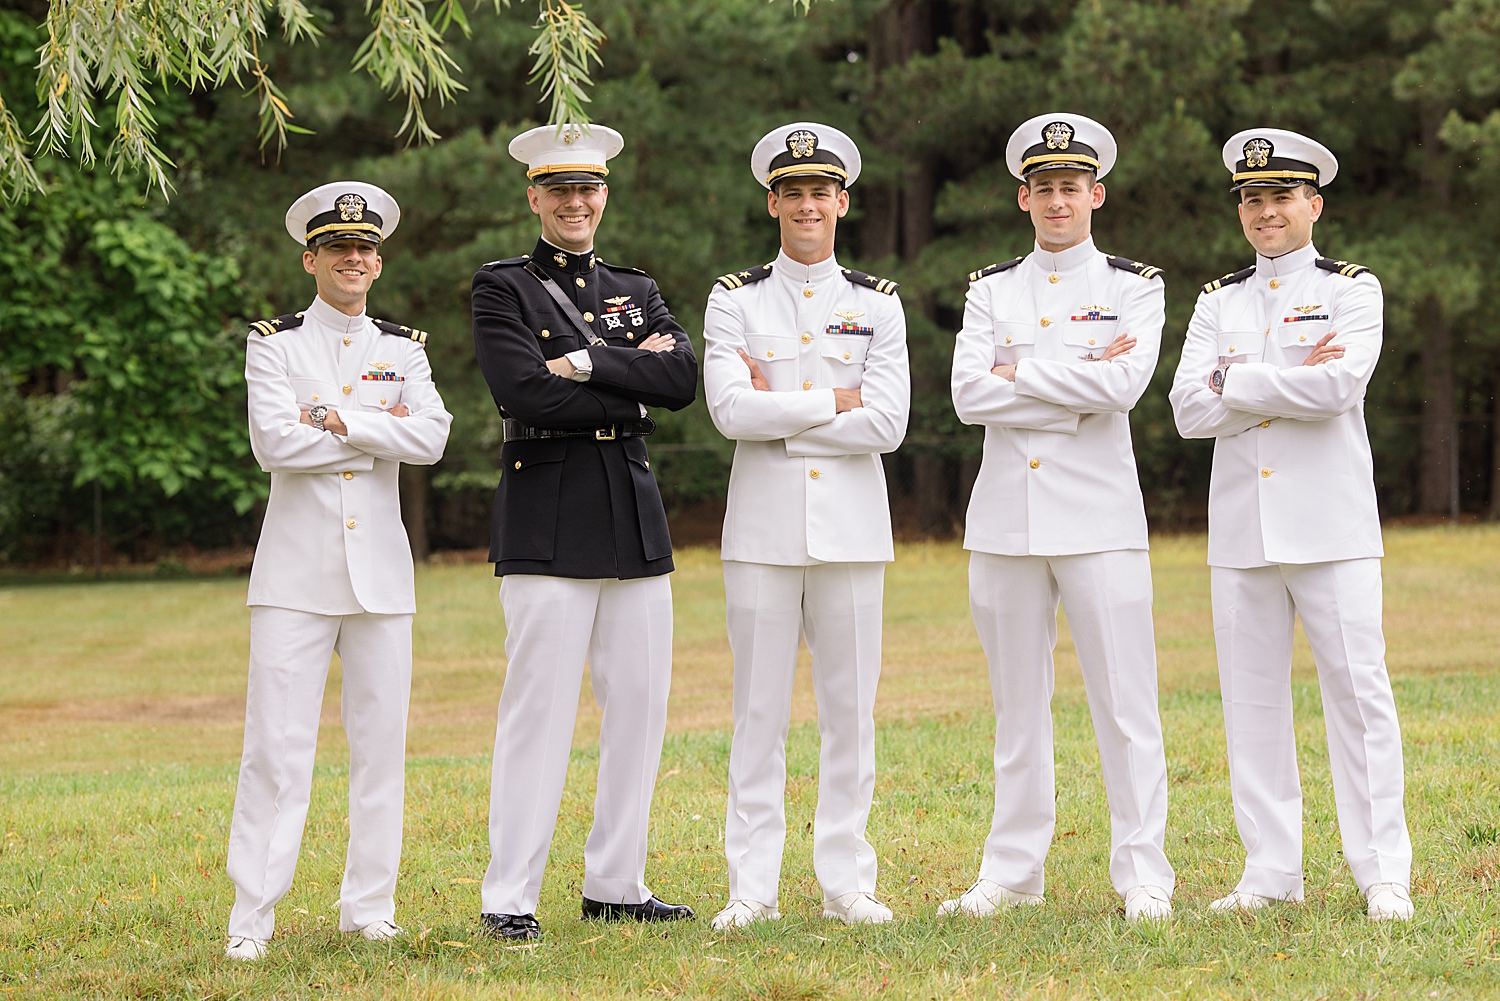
[[119, 737]]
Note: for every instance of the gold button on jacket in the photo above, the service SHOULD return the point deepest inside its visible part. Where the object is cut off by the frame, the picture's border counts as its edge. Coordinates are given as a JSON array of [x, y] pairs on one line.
[[348, 476], [351, 523], [1036, 463], [815, 474]]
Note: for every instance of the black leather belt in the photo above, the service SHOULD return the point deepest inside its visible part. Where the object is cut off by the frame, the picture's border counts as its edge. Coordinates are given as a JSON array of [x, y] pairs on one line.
[[516, 431]]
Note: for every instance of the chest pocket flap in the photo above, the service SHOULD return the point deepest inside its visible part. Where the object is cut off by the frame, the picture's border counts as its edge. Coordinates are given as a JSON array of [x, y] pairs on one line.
[[1240, 343], [310, 391], [771, 347], [1011, 333], [845, 350], [1090, 335], [1302, 329]]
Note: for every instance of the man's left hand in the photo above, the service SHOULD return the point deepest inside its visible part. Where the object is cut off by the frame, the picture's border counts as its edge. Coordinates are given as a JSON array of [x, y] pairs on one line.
[[658, 343], [562, 367], [1006, 372]]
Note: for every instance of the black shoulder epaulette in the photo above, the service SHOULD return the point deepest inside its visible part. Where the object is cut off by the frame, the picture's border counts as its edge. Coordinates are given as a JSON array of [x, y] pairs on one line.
[[739, 279], [509, 262], [266, 328], [620, 267], [1147, 271], [387, 327], [1233, 278], [1342, 267], [994, 269], [884, 285]]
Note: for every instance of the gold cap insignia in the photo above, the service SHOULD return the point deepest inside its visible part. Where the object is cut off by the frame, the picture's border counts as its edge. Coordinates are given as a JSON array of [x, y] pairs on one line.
[[801, 143], [1258, 152], [351, 208], [1058, 135], [850, 316], [571, 135], [618, 300]]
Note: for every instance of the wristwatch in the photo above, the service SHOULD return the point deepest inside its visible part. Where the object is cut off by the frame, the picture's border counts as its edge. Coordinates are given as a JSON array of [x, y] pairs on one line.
[[317, 414], [1216, 378]]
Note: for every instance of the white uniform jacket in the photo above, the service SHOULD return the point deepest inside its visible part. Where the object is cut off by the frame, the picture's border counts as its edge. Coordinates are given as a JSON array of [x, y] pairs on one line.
[[1058, 476], [807, 484], [332, 541], [1293, 480]]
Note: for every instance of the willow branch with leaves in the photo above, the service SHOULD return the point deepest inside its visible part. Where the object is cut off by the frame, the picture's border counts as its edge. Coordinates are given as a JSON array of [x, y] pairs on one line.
[[115, 50]]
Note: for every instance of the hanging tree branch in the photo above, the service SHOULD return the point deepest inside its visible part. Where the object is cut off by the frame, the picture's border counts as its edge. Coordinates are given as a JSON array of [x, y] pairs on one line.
[[121, 48]]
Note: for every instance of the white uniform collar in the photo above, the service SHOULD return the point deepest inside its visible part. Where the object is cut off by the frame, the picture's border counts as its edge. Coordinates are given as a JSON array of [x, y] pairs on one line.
[[806, 274], [1286, 263], [340, 323], [1073, 257]]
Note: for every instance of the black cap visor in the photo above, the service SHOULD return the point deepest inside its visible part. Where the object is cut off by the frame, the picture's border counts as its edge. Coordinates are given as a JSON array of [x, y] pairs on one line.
[[325, 227], [1278, 172], [1078, 156]]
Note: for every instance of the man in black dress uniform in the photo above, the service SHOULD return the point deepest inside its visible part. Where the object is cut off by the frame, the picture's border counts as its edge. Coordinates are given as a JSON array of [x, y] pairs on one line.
[[574, 350]]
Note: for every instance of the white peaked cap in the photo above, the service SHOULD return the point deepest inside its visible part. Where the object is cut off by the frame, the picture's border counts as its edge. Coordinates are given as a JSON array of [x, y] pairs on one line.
[[567, 154], [1060, 141], [343, 210], [1276, 158], [805, 149]]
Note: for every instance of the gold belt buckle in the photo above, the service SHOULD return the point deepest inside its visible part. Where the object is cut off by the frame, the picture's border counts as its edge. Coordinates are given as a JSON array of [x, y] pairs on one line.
[[602, 435]]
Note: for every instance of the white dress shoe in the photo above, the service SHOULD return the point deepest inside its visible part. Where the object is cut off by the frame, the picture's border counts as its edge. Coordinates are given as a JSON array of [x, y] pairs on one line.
[[987, 897], [1389, 902], [857, 908], [247, 950], [1147, 903], [381, 931], [1243, 902], [742, 912]]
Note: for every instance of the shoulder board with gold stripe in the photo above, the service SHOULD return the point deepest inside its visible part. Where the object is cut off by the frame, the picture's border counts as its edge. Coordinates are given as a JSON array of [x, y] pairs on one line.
[[1342, 267], [739, 279], [1147, 271], [1233, 278], [266, 328], [884, 285], [994, 269], [387, 327]]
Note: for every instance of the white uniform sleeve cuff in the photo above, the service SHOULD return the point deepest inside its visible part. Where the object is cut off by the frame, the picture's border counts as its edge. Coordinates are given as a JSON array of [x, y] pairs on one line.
[[583, 362]]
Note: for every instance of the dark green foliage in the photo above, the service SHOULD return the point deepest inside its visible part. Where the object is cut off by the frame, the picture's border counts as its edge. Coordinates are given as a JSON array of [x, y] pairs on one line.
[[1403, 91]]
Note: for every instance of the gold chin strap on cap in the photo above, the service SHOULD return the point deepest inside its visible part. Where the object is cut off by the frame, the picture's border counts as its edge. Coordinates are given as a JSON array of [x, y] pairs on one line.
[[1080, 158], [808, 169], [1276, 175], [346, 227], [559, 168]]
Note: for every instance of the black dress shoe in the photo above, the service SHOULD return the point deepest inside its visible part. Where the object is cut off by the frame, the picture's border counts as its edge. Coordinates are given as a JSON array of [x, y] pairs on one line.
[[651, 910], [518, 926]]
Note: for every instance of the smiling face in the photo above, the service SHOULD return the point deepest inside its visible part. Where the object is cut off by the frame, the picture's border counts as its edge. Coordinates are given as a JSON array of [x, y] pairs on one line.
[[570, 213], [1278, 221], [345, 270], [1062, 204], [808, 209]]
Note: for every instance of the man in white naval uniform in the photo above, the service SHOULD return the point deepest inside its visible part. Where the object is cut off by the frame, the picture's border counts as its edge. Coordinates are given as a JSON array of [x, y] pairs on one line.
[[805, 367], [337, 401], [1274, 369], [1055, 350]]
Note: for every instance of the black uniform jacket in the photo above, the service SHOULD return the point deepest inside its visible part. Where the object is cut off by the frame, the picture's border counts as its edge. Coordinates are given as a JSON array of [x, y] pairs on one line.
[[578, 507]]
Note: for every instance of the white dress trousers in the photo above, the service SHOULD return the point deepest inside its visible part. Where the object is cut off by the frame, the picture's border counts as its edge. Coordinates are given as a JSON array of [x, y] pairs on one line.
[[837, 606], [1294, 530], [1107, 597], [289, 657], [623, 628], [1340, 607]]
